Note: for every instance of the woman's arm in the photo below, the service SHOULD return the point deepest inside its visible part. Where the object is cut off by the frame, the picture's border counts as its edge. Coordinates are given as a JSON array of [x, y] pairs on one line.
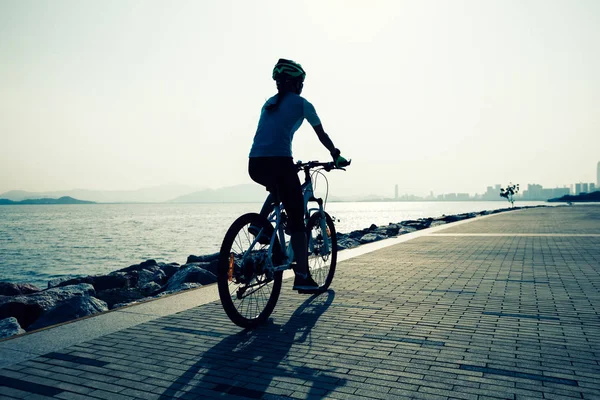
[[324, 138]]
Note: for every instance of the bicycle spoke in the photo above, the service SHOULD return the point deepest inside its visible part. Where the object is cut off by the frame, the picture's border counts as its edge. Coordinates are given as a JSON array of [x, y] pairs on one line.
[[248, 290], [238, 241], [257, 292], [263, 295], [245, 230], [321, 266]]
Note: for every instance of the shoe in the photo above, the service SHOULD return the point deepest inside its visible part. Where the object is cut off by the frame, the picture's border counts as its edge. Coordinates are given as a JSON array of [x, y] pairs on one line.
[[305, 284], [263, 239]]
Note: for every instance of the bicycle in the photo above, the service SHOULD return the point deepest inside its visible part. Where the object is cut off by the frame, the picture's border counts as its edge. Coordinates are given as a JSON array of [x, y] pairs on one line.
[[251, 265]]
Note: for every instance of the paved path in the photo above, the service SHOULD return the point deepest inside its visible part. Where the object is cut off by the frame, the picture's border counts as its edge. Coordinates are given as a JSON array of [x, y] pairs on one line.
[[503, 307]]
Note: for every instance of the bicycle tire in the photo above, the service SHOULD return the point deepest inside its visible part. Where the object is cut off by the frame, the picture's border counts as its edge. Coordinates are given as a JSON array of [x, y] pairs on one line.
[[321, 267], [236, 272]]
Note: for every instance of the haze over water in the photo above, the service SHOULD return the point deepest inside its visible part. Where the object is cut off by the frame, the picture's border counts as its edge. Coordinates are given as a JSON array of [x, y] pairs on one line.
[[38, 243], [442, 96]]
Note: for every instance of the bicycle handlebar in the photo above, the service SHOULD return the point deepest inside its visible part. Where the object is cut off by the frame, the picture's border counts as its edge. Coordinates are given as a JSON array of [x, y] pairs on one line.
[[327, 166]]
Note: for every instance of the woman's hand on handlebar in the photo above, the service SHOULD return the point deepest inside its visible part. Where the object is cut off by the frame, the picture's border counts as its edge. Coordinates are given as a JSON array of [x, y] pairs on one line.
[[341, 162], [327, 166], [338, 160]]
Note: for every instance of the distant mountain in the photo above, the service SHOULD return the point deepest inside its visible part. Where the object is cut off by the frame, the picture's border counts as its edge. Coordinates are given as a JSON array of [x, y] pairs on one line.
[[247, 193], [157, 194], [62, 200]]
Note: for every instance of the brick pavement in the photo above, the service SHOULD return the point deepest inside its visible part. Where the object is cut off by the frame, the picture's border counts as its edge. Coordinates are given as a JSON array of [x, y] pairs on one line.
[[512, 315]]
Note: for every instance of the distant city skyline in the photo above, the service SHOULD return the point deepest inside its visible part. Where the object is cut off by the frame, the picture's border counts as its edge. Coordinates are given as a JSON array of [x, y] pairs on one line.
[[256, 193], [538, 190], [160, 193]]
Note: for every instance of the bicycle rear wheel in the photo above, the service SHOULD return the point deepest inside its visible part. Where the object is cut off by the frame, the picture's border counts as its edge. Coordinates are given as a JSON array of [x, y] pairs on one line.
[[322, 258], [247, 290]]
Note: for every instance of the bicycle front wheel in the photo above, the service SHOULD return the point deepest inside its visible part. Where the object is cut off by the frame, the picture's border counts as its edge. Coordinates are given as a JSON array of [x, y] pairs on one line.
[[322, 248], [248, 290]]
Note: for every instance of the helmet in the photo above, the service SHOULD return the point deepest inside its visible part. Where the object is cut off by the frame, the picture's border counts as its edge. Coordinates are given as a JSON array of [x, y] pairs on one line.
[[288, 70]]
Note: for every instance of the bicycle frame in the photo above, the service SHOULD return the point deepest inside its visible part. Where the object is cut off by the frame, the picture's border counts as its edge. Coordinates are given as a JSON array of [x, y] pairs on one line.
[[275, 218], [308, 191]]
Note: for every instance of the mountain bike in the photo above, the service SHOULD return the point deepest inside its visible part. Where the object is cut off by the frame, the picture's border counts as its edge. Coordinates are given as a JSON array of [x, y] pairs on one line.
[[256, 251]]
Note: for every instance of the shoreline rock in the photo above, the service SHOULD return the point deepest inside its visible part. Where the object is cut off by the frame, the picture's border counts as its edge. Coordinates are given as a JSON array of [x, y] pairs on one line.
[[10, 327], [28, 308], [25, 307]]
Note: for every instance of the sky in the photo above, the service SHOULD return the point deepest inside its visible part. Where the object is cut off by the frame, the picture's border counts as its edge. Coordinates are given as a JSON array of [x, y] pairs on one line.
[[435, 96]]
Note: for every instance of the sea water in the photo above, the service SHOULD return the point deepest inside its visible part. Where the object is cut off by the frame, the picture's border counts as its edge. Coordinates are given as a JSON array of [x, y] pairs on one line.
[[43, 242]]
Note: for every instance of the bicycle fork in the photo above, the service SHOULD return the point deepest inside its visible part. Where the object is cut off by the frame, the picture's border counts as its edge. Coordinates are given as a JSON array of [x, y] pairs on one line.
[[324, 248]]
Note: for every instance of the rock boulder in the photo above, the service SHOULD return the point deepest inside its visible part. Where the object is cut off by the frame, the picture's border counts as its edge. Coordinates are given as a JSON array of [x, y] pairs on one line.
[[15, 289], [67, 310], [180, 288], [113, 280], [211, 259], [150, 288], [28, 308], [418, 224], [191, 273], [371, 237], [169, 269], [10, 327], [206, 258], [437, 223], [120, 295], [145, 277], [358, 234], [57, 281], [347, 243], [407, 229], [150, 265]]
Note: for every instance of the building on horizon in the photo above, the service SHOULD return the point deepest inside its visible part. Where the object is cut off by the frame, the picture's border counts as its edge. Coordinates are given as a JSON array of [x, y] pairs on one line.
[[598, 175], [583, 187], [463, 197], [492, 193], [535, 192], [455, 197]]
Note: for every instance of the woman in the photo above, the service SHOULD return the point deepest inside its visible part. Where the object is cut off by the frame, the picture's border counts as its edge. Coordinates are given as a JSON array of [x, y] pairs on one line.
[[271, 162]]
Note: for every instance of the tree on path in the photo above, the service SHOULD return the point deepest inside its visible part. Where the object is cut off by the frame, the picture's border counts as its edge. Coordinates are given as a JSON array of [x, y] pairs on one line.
[[509, 193]]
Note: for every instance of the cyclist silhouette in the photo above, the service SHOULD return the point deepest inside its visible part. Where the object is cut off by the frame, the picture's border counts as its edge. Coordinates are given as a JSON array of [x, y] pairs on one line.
[[271, 163]]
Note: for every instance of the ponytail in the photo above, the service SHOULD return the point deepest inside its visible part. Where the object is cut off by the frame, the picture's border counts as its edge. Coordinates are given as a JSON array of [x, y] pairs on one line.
[[275, 106], [283, 88]]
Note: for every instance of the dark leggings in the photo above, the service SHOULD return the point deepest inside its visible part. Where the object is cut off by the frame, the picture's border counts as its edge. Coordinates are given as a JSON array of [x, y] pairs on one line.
[[280, 174]]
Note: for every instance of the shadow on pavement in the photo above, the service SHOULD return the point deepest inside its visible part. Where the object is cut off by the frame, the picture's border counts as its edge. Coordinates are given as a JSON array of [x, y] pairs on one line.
[[246, 364]]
